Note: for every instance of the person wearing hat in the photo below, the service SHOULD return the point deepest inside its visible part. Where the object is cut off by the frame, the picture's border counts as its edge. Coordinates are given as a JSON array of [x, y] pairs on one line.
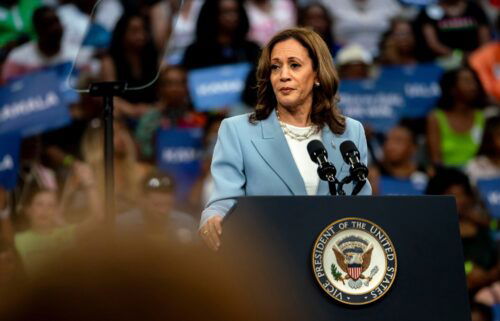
[[354, 62], [156, 217]]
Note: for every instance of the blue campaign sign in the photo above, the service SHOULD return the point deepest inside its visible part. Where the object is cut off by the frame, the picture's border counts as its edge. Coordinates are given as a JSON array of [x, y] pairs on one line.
[[179, 153], [34, 103], [9, 159], [217, 87], [420, 3], [393, 186], [420, 86], [489, 190], [376, 103]]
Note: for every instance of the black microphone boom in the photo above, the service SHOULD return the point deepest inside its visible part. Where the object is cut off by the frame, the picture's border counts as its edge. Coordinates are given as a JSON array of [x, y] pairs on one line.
[[319, 155], [350, 154]]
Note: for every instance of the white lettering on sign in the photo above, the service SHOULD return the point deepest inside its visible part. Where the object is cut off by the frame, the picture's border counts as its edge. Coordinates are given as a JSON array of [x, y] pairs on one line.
[[494, 198], [180, 155], [7, 163], [220, 87], [422, 90], [28, 106]]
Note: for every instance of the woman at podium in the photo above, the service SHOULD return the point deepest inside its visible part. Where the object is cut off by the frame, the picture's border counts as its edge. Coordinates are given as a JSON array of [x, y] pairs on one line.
[[265, 152]]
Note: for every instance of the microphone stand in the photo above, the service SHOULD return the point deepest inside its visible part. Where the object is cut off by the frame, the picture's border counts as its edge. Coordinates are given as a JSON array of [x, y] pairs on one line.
[[108, 90]]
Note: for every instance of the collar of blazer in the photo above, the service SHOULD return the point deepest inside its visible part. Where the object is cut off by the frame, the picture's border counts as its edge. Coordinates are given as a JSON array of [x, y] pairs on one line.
[[273, 148]]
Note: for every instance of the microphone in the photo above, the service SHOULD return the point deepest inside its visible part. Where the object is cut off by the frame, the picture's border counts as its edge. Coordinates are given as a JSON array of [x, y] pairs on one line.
[[350, 154], [319, 155]]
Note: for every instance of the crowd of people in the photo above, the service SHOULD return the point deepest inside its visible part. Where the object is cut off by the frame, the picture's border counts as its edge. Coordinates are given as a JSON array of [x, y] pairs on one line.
[[155, 44]]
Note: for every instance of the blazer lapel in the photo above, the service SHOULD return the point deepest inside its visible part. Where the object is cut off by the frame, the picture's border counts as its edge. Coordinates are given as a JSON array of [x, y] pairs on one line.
[[332, 146], [273, 148]]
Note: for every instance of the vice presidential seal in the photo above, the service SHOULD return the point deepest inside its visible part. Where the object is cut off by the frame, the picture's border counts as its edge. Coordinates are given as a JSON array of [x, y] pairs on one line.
[[354, 261]]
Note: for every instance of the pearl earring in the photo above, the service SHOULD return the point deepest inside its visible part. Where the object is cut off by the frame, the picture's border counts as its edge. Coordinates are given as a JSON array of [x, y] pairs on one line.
[[316, 84]]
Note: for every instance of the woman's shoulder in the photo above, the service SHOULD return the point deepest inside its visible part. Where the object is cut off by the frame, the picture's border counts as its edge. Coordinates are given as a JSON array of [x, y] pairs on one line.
[[353, 127], [240, 121]]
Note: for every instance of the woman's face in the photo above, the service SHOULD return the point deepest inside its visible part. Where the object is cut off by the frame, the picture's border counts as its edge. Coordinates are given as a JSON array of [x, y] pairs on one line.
[[292, 75], [398, 147], [466, 86], [403, 37], [42, 210], [135, 35], [228, 15], [174, 87], [315, 17]]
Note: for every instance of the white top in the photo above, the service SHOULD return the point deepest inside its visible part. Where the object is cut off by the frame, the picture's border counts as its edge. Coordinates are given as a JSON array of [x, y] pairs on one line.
[[362, 22], [263, 25], [183, 32], [307, 168], [481, 168]]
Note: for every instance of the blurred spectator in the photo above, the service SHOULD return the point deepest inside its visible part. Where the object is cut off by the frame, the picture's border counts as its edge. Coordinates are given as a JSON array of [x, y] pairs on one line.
[[316, 16], [398, 45], [399, 162], [6, 230], [133, 58], [47, 50], [453, 24], [487, 162], [454, 130], [48, 233], [128, 172], [204, 185], [130, 280], [221, 36], [486, 62], [16, 20], [173, 110], [156, 216], [11, 272], [267, 17], [362, 21], [354, 62], [59, 148], [183, 29], [480, 252]]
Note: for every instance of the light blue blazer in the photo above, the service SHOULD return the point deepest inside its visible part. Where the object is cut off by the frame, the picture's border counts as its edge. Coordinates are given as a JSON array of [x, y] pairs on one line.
[[254, 159]]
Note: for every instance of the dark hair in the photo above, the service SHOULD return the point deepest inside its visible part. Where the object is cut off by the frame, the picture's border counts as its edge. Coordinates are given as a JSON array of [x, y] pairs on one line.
[[487, 148], [149, 55], [385, 37], [445, 178], [207, 27], [39, 15], [324, 108], [448, 83], [328, 37], [408, 124]]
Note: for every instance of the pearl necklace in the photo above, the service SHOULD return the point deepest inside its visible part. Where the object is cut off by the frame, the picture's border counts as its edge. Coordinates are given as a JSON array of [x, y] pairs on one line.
[[293, 135]]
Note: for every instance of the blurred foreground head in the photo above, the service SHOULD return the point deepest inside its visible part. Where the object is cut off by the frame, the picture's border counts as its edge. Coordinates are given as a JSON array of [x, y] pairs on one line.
[[132, 280]]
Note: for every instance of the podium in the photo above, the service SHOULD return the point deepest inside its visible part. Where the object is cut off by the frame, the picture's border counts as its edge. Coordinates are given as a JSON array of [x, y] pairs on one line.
[[279, 234]]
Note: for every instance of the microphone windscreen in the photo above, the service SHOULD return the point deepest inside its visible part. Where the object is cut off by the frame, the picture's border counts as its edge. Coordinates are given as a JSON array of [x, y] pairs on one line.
[[314, 148], [346, 148]]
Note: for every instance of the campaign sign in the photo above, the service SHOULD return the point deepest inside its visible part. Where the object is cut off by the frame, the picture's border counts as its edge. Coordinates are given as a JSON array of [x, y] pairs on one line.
[[376, 103], [393, 186], [33, 104], [421, 3], [420, 86], [489, 190], [179, 153], [217, 87], [9, 159]]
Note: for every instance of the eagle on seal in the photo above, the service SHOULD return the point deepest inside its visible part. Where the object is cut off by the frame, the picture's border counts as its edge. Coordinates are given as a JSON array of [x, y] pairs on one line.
[[353, 255]]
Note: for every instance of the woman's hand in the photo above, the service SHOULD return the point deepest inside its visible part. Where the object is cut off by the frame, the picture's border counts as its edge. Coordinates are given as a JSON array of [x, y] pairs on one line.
[[211, 232]]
